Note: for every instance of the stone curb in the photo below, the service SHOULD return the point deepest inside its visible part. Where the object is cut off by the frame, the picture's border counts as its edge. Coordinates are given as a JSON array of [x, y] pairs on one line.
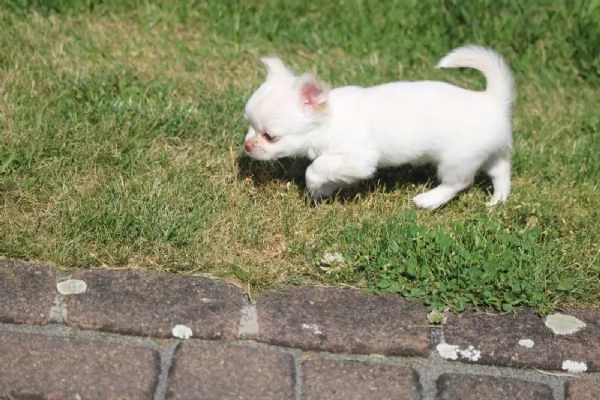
[[112, 337]]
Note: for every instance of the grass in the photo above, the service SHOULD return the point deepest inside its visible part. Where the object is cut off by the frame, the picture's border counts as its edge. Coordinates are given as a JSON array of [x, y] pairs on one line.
[[120, 146]]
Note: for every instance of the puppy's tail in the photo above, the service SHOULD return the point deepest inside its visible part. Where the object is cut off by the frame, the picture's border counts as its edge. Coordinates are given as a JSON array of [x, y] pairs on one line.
[[491, 64]]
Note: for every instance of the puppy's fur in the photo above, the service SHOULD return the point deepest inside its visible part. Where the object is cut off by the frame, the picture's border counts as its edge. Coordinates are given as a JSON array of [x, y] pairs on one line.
[[350, 131]]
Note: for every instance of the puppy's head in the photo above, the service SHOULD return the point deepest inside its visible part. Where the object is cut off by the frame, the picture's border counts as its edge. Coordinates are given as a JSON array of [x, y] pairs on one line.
[[283, 112]]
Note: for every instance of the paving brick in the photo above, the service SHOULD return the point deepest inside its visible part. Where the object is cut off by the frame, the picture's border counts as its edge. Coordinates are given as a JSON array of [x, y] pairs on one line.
[[217, 370], [42, 367], [343, 320], [477, 387], [582, 390], [497, 338], [151, 304], [336, 379], [27, 292]]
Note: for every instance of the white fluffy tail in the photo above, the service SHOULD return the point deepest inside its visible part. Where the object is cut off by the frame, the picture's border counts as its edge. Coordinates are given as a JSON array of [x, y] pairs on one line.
[[491, 64]]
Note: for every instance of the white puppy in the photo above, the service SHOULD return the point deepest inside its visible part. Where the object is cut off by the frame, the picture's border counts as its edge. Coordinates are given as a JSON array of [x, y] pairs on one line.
[[349, 132]]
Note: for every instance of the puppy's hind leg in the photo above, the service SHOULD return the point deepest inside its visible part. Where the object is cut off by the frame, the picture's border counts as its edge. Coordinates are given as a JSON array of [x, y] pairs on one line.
[[453, 179], [498, 168], [328, 173], [438, 196]]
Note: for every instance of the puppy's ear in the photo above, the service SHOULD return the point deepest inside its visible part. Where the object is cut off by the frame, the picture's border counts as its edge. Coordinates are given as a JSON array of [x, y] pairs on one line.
[[313, 92], [275, 67]]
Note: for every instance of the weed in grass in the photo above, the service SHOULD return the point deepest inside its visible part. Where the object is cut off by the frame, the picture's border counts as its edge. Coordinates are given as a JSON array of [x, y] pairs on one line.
[[478, 262]]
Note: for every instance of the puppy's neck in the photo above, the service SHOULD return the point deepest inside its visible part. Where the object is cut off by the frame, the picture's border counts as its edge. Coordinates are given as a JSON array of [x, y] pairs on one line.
[[317, 141]]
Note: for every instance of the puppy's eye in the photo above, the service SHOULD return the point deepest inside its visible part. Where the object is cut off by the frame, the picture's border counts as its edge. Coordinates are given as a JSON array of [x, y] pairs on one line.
[[268, 137]]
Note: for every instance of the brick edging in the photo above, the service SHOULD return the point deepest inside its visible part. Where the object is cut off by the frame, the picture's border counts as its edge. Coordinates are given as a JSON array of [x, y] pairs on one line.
[[316, 336]]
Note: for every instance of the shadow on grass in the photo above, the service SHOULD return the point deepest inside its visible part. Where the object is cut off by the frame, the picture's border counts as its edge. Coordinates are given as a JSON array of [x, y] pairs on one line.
[[386, 180], [262, 172], [293, 169]]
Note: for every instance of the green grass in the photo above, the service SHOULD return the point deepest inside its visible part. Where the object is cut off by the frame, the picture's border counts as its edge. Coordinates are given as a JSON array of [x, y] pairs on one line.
[[121, 129]]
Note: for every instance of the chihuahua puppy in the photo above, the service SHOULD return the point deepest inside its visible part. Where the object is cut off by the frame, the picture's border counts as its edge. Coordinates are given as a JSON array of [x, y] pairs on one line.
[[351, 131]]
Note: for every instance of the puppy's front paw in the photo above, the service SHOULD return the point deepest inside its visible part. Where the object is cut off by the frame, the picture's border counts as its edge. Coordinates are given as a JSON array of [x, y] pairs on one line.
[[317, 185], [321, 193]]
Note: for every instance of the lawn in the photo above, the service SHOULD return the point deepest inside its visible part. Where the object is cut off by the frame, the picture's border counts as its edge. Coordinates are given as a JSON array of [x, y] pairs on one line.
[[121, 129]]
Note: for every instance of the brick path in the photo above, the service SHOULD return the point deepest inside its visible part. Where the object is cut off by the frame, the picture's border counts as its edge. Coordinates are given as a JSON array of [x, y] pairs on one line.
[[114, 341]]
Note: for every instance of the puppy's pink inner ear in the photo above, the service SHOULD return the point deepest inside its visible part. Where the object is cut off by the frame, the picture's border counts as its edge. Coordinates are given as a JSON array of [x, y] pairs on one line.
[[312, 93]]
